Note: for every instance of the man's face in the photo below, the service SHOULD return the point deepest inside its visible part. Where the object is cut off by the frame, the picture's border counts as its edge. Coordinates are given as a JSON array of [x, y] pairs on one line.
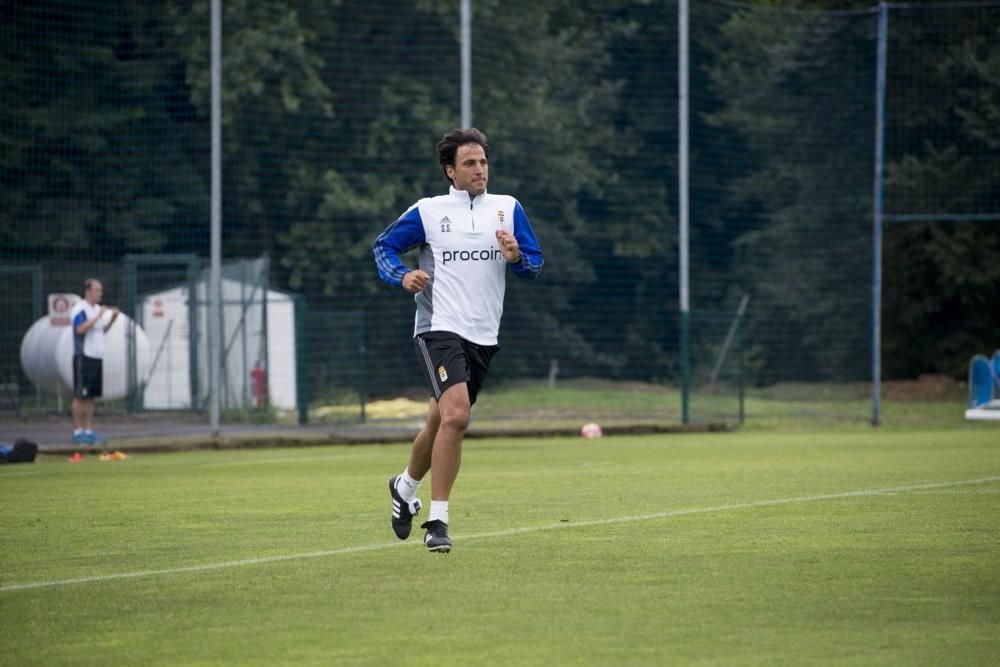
[[471, 170], [94, 294]]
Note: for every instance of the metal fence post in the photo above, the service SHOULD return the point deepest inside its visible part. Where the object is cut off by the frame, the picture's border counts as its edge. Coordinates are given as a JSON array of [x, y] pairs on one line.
[[883, 26]]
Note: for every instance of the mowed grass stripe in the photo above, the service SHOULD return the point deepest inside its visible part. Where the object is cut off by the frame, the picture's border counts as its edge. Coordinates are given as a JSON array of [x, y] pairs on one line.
[[503, 533]]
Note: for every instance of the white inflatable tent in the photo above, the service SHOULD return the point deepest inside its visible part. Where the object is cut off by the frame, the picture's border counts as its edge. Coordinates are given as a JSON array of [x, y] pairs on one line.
[[251, 341]]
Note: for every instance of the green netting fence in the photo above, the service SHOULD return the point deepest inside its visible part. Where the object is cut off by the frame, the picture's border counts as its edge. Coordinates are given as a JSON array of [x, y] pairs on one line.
[[330, 115]]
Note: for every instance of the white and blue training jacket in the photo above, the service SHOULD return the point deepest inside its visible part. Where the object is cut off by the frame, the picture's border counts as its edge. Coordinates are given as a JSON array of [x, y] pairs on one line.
[[458, 249]]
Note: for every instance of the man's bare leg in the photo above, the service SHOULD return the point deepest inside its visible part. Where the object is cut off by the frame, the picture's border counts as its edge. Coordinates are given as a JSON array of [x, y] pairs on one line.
[[88, 415], [423, 444], [446, 458], [78, 411], [437, 449], [403, 488]]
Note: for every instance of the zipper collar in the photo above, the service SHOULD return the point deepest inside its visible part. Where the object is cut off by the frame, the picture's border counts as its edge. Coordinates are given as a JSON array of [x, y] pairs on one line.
[[463, 196]]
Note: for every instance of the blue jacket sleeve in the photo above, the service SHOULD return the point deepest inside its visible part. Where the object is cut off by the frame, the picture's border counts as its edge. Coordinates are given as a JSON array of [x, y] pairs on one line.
[[531, 254], [404, 234]]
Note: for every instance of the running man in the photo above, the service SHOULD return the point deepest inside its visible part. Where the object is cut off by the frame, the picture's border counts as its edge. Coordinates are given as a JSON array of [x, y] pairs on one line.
[[467, 239]]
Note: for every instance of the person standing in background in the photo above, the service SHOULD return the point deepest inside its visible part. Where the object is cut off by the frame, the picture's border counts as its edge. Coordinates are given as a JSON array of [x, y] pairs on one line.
[[88, 355]]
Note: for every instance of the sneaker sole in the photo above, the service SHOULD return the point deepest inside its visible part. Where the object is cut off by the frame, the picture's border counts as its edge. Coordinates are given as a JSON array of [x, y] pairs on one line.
[[442, 549]]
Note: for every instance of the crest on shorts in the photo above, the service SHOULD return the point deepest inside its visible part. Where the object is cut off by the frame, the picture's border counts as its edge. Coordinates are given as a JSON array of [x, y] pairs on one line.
[[442, 373]]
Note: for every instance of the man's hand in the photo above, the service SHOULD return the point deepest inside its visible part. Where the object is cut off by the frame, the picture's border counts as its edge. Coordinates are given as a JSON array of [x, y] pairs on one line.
[[92, 322], [415, 281], [114, 316], [509, 248]]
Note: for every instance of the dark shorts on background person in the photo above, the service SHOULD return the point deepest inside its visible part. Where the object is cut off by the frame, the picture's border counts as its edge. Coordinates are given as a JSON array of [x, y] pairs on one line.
[[447, 359], [88, 377]]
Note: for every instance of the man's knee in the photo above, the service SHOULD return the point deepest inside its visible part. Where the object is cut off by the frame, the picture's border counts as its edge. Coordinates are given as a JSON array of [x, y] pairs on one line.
[[456, 418], [454, 408]]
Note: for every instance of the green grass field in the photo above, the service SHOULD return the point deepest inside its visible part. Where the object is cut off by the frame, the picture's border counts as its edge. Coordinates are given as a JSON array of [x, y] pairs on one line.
[[747, 548]]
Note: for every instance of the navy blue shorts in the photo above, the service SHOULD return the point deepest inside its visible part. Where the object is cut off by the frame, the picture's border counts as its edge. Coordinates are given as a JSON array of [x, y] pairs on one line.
[[447, 359], [88, 377]]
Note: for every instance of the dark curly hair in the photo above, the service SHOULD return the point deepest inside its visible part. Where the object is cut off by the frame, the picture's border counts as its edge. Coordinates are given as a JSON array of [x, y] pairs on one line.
[[448, 146]]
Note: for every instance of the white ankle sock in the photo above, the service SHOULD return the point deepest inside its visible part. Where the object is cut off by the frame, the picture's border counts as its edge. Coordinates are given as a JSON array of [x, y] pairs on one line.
[[439, 511], [406, 486], [77, 431]]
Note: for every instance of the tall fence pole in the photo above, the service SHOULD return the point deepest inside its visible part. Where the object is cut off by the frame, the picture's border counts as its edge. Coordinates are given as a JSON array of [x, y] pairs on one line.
[[682, 214], [466, 19], [215, 271], [877, 221]]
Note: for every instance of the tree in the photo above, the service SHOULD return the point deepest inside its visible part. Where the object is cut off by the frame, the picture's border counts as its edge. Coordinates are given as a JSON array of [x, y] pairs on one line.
[[88, 100], [274, 103], [942, 276], [798, 88]]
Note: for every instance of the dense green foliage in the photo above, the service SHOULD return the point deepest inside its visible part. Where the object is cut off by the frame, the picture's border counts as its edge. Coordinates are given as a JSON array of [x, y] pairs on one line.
[[332, 109], [943, 277]]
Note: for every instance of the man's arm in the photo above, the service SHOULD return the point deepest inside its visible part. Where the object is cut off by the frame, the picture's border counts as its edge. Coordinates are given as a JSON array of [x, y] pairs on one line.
[[406, 233], [531, 253], [82, 325]]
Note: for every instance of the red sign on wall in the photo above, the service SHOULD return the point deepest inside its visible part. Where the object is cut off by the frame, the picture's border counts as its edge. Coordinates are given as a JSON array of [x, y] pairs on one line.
[[60, 306]]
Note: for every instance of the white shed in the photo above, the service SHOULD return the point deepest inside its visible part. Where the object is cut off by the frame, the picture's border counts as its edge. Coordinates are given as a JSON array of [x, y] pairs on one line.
[[254, 346]]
